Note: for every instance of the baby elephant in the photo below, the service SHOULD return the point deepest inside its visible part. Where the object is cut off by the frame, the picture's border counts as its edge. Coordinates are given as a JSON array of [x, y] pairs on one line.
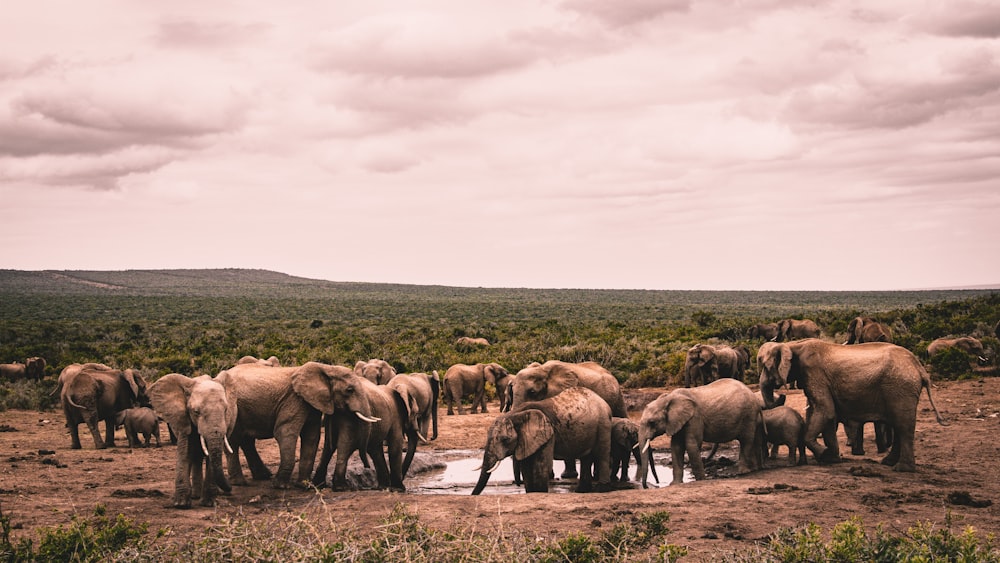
[[784, 426], [140, 420]]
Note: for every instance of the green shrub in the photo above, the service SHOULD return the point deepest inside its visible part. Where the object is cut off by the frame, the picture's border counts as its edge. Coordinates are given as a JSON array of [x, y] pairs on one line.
[[950, 363], [97, 538]]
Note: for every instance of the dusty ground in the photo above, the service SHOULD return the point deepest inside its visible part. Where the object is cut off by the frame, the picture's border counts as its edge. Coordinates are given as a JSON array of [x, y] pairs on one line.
[[38, 488]]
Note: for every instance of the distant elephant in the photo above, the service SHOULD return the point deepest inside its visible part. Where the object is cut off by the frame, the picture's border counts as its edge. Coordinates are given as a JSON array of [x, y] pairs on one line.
[[273, 361], [34, 368], [284, 403], [574, 424], [506, 394], [767, 331], [968, 344], [794, 329], [871, 381], [706, 363], [722, 411], [378, 372], [365, 416], [784, 426], [419, 392], [462, 380], [467, 343], [13, 372], [867, 329], [90, 395], [139, 420], [202, 411]]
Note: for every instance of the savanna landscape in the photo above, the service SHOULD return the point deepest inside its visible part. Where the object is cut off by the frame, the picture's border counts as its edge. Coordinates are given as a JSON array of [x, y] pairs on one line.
[[115, 503]]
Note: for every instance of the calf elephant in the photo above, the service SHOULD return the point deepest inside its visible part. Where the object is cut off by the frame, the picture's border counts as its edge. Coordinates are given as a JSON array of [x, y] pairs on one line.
[[419, 392], [766, 331], [968, 344], [365, 416], [784, 426], [575, 424], [867, 329], [378, 372], [462, 380], [706, 363], [202, 411], [794, 329], [139, 420], [871, 381], [722, 411], [625, 443], [91, 394]]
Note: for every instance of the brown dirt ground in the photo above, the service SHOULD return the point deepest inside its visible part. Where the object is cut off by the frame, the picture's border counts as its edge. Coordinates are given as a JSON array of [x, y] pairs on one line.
[[709, 517]]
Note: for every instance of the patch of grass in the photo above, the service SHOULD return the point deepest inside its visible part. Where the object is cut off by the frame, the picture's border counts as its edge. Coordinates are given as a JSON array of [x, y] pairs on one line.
[[95, 538]]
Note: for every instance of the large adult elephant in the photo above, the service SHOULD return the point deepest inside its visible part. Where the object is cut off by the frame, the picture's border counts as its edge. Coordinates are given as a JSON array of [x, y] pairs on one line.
[[419, 392], [365, 417], [377, 371], [574, 424], [867, 329], [766, 331], [202, 412], [92, 394], [795, 329], [722, 411], [462, 380], [706, 363], [968, 344], [13, 371], [284, 403], [875, 381]]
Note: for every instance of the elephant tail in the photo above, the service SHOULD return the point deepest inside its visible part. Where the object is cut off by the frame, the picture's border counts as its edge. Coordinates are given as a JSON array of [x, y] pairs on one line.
[[926, 384]]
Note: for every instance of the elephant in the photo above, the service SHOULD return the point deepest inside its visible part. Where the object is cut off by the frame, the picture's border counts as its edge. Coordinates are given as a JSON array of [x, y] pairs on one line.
[[767, 331], [34, 368], [467, 343], [272, 361], [71, 370], [784, 426], [794, 329], [419, 392], [706, 363], [284, 403], [91, 394], [13, 371], [968, 344], [867, 329], [722, 411], [862, 382], [462, 379], [378, 372], [139, 420], [574, 424], [364, 417], [506, 394], [203, 412], [625, 443]]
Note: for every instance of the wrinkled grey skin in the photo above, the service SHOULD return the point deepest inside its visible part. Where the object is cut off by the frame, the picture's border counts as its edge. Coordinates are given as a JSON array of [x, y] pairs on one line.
[[861, 382], [867, 329], [784, 426], [202, 411], [462, 380], [139, 420], [766, 331], [378, 372], [91, 394], [721, 411], [419, 392], [706, 363], [968, 344], [575, 424], [794, 329]]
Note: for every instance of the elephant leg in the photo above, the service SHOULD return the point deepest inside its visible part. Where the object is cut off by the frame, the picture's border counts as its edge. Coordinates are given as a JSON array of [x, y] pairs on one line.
[[677, 458], [856, 432], [109, 431], [569, 470], [95, 432], [517, 472], [74, 435], [196, 462], [286, 455], [411, 449], [319, 476], [182, 475], [258, 470], [821, 420], [586, 483], [395, 463], [309, 443], [883, 436], [901, 454], [378, 460]]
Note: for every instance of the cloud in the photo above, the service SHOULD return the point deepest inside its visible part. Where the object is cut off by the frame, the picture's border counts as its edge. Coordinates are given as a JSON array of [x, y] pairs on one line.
[[626, 12], [962, 19], [192, 34]]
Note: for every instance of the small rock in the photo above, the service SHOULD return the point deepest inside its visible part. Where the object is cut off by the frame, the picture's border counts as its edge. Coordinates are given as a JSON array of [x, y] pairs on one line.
[[963, 498]]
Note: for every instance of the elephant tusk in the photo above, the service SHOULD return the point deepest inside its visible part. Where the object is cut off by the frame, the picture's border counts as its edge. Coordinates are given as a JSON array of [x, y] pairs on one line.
[[477, 468], [422, 437], [983, 359], [229, 448], [645, 447], [367, 418], [494, 468], [204, 446]]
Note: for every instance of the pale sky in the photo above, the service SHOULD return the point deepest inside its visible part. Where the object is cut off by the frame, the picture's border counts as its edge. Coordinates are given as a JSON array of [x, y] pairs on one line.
[[674, 144]]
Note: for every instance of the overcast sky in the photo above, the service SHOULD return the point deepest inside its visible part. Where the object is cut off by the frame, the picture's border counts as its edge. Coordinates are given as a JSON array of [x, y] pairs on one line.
[[674, 144]]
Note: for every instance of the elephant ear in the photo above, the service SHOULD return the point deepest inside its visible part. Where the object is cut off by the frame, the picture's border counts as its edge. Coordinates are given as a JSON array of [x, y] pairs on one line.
[[680, 409], [562, 376], [129, 377], [534, 431], [169, 395], [359, 368], [313, 384], [406, 403], [784, 363], [229, 384]]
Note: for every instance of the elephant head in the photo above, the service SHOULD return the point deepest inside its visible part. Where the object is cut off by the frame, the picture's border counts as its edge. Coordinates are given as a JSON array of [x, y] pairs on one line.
[[667, 414], [775, 362], [524, 434], [378, 372], [971, 346], [540, 381], [202, 413], [700, 365], [34, 368]]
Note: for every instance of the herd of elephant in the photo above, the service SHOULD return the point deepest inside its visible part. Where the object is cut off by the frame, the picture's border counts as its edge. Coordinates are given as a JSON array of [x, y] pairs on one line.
[[551, 410]]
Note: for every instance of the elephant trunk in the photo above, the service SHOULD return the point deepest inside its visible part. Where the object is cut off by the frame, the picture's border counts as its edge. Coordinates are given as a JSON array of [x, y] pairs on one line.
[[644, 460], [767, 393], [485, 470]]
